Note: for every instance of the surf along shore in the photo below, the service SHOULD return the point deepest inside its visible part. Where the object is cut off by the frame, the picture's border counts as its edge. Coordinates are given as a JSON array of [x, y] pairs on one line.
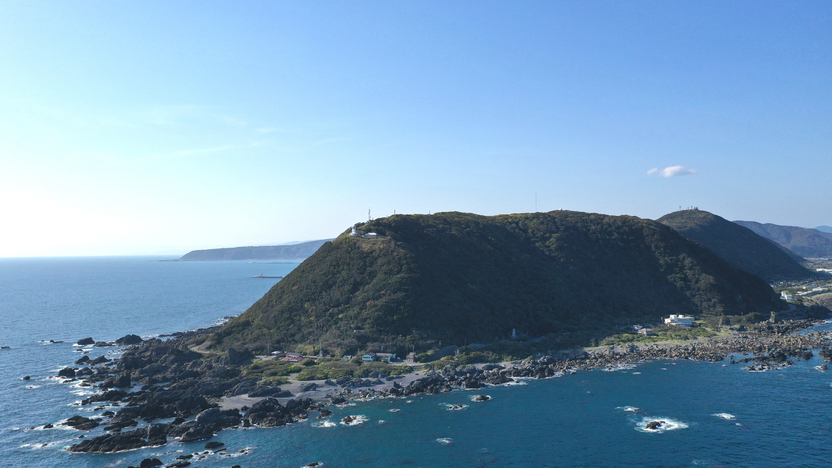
[[164, 389]]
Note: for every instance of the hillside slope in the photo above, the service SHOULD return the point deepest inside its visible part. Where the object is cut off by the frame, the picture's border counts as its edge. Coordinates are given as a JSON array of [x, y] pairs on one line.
[[292, 251], [809, 243], [452, 278], [738, 245]]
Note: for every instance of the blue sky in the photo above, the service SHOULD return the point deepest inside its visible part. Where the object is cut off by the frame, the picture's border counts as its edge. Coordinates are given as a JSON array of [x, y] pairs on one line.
[[162, 127]]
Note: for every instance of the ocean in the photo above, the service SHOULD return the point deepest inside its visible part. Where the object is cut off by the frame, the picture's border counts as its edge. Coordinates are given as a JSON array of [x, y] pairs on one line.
[[717, 414]]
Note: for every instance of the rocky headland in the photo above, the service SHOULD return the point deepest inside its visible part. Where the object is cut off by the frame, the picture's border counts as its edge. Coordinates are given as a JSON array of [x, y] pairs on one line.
[[163, 389]]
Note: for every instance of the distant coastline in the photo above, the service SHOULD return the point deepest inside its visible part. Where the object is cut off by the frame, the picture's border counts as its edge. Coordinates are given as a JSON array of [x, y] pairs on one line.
[[267, 252]]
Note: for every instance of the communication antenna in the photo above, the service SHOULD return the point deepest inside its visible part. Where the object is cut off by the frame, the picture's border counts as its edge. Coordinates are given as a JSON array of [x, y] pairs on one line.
[[369, 216]]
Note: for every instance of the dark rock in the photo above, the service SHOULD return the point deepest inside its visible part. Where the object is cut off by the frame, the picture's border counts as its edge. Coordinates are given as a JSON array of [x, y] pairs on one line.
[[104, 344], [120, 381], [129, 340], [26, 378], [84, 360], [67, 372], [235, 358], [653, 425], [150, 462], [99, 360], [48, 426], [213, 445], [85, 341]]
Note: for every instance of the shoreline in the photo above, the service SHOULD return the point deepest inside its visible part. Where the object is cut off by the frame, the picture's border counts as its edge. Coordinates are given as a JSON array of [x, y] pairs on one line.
[[206, 396]]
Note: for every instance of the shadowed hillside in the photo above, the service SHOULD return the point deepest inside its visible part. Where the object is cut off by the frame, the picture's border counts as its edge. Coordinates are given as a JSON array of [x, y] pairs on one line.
[[456, 277], [809, 243], [738, 245]]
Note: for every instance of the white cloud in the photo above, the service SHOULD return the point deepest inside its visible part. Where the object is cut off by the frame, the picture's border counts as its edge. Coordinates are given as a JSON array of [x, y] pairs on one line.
[[671, 171]]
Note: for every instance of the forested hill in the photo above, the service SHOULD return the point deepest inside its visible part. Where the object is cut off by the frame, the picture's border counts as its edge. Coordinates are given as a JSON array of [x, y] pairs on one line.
[[810, 243], [292, 251], [740, 246], [457, 278]]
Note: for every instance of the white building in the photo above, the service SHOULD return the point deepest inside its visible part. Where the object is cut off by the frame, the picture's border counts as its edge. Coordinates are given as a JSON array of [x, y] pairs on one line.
[[679, 320], [786, 296]]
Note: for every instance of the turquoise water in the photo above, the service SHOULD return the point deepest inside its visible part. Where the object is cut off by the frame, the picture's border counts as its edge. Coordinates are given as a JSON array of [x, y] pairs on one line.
[[721, 415]]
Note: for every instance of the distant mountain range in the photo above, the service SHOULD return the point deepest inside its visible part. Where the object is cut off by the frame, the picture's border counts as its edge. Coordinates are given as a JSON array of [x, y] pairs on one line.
[[809, 243], [271, 252], [452, 278], [738, 245]]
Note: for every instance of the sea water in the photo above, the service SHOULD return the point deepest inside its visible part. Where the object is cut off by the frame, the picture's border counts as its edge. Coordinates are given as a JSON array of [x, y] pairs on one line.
[[715, 414]]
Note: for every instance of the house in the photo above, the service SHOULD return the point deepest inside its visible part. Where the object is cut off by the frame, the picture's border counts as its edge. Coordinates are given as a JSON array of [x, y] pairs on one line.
[[679, 321], [786, 296], [643, 330], [369, 357], [389, 357]]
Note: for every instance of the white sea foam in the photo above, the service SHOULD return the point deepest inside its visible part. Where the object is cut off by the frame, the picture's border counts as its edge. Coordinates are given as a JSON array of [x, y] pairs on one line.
[[356, 420], [619, 367], [668, 424], [516, 382], [474, 398], [451, 407], [326, 423], [32, 387], [445, 440], [395, 410], [630, 409], [725, 416], [636, 373]]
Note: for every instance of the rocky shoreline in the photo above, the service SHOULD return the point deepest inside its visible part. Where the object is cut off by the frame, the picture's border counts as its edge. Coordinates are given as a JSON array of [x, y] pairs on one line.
[[162, 390]]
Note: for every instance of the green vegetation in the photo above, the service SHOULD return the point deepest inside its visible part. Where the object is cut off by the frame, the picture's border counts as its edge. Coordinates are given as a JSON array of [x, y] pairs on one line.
[[276, 372], [809, 243], [458, 278], [662, 333], [738, 245]]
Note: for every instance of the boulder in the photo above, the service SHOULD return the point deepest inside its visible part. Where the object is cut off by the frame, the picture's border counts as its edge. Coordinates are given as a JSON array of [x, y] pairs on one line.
[[128, 340], [653, 425], [150, 462], [67, 372], [85, 341]]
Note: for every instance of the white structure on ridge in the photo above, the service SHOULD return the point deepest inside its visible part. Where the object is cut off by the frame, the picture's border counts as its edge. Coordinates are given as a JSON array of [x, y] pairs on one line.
[[354, 232], [679, 320]]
